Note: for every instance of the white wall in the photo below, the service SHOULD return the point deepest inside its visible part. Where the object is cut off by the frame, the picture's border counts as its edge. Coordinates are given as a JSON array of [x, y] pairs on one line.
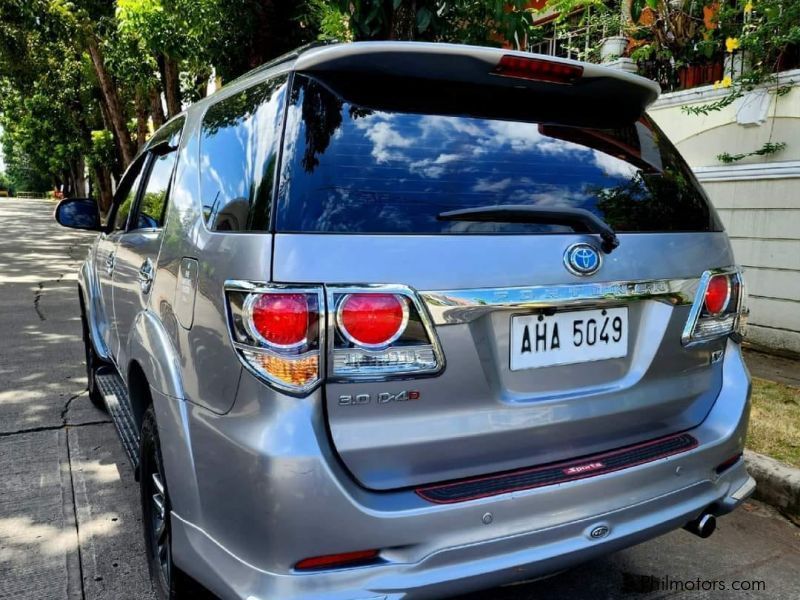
[[758, 198]]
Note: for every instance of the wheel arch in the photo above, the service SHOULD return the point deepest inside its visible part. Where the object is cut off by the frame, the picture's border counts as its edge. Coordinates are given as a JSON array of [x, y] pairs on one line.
[[139, 394], [153, 376], [150, 348], [88, 294]]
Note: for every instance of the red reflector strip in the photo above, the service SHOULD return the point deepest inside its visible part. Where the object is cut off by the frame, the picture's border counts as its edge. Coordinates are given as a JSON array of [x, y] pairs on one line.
[[724, 466], [537, 69], [557, 473], [332, 561]]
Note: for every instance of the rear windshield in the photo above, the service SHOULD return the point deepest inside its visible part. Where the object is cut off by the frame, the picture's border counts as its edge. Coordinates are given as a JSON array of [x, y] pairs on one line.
[[352, 168]]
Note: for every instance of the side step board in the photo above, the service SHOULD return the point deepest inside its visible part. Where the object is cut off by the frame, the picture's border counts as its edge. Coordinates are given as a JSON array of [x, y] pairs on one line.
[[115, 394]]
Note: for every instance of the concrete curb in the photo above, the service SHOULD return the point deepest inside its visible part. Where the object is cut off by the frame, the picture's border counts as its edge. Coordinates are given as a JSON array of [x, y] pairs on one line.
[[778, 484]]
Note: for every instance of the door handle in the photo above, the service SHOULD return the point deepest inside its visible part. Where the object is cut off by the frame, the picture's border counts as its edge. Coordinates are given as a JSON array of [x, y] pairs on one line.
[[110, 263], [146, 274]]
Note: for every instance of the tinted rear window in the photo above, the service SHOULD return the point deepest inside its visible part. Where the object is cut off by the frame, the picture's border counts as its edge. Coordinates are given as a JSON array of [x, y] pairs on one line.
[[361, 169]]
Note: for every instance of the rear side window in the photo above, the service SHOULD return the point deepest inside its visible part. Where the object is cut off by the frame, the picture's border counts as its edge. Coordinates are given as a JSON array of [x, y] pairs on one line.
[[153, 204], [362, 169], [238, 154]]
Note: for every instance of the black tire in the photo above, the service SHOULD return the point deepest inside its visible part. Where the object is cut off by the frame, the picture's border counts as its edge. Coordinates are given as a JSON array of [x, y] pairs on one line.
[[93, 363], [169, 582]]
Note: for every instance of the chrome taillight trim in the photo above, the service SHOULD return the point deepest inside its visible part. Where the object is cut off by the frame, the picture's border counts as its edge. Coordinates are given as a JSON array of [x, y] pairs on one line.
[[331, 291], [687, 337], [449, 307], [256, 287]]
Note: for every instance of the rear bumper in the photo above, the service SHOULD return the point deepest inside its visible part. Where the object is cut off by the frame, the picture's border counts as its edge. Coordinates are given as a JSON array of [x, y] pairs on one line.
[[266, 492]]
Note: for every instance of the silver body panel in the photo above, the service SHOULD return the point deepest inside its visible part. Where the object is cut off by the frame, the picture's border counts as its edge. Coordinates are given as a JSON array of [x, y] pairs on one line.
[[261, 479]]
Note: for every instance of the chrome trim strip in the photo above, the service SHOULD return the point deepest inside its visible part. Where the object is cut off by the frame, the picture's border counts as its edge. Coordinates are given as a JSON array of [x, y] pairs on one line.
[[450, 307]]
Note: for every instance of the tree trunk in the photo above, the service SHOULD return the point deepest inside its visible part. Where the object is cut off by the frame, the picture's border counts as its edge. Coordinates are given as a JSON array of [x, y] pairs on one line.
[[171, 83], [116, 167], [68, 187], [112, 102], [104, 195], [142, 113], [156, 108], [78, 186]]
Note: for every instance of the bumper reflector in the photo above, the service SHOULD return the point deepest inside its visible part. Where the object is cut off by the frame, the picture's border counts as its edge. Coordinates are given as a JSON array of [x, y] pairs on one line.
[[334, 561], [724, 466]]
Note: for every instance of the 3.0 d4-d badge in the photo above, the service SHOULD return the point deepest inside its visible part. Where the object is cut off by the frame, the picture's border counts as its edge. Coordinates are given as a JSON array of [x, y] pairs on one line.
[[381, 398]]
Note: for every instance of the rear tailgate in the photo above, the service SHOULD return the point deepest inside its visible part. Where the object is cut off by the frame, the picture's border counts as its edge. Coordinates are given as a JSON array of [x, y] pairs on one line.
[[480, 417], [364, 176]]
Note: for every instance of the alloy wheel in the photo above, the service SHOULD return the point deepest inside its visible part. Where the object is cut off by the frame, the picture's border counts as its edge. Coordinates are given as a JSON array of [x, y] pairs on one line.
[[158, 517]]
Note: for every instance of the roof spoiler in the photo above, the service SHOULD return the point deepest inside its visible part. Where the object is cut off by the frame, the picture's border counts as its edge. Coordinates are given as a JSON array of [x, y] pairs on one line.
[[483, 66]]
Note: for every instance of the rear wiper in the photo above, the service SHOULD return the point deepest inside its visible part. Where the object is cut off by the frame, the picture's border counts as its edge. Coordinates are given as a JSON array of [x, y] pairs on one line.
[[579, 219]]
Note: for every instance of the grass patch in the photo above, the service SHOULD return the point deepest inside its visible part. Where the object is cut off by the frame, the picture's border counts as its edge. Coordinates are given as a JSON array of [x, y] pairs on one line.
[[775, 421]]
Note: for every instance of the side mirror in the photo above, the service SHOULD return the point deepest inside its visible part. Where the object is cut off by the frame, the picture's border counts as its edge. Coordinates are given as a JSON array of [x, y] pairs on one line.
[[78, 213]]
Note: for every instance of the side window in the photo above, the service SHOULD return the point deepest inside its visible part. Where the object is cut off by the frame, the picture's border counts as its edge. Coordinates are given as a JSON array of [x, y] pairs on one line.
[[126, 193], [238, 153], [152, 208]]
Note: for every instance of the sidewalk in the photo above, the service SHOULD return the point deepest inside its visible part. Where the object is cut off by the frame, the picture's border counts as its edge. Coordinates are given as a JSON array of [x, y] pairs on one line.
[[69, 506]]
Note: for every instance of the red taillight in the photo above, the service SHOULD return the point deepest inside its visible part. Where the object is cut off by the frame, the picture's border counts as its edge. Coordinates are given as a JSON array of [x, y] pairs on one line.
[[372, 320], [718, 294], [538, 69], [280, 320], [331, 561]]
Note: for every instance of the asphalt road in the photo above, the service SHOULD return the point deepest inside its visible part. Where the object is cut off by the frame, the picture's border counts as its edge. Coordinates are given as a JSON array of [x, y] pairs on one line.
[[69, 515]]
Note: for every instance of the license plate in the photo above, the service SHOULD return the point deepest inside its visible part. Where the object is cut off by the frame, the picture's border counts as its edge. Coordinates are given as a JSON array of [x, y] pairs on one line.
[[567, 338]]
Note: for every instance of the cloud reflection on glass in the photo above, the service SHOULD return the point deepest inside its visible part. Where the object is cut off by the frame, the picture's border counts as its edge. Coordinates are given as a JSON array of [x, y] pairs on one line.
[[348, 168]]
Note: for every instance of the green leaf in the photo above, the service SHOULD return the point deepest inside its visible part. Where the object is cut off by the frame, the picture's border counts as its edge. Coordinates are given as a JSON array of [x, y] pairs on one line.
[[636, 10], [424, 17]]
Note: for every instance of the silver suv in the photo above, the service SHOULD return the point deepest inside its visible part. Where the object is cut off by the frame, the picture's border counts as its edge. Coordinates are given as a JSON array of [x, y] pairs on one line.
[[401, 320]]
